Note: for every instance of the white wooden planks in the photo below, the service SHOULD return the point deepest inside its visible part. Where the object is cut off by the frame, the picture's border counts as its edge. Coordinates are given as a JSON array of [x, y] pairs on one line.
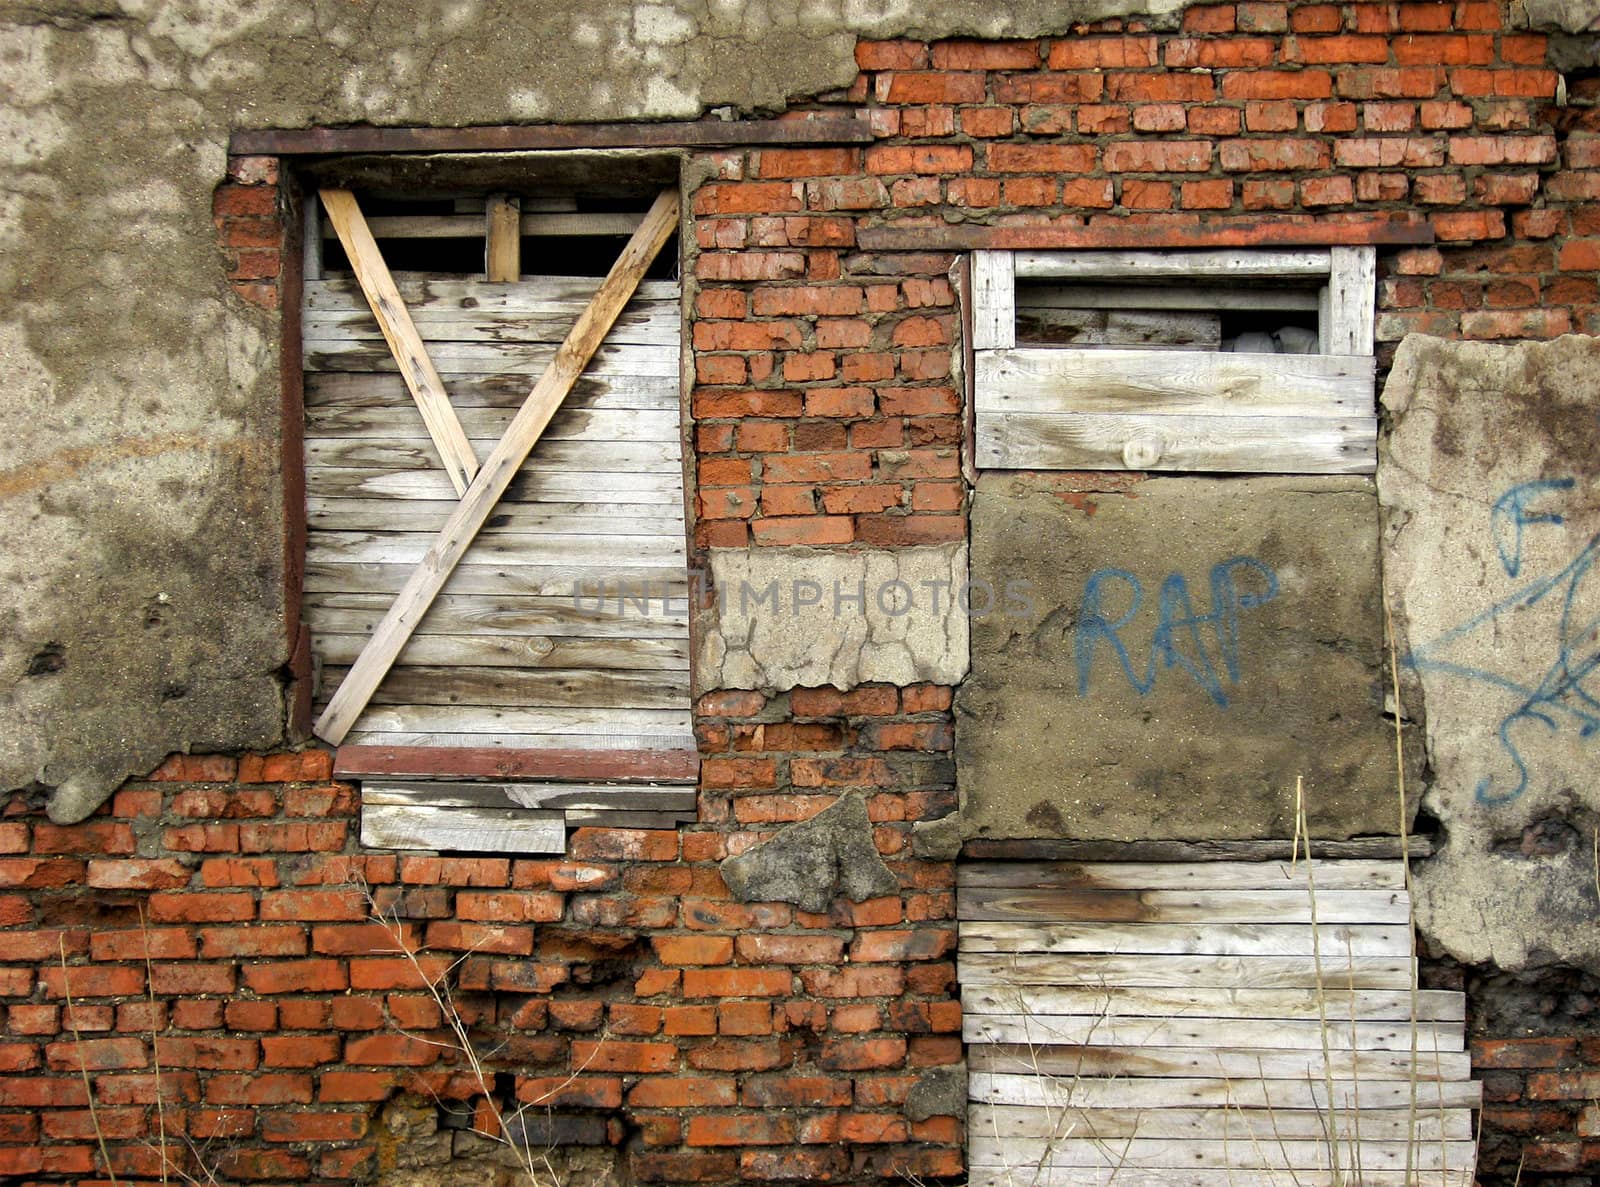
[[1122, 364], [1191, 1024], [566, 624]]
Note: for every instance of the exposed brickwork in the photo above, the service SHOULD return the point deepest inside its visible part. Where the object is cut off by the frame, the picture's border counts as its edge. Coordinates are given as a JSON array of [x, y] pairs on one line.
[[1541, 1108], [247, 213]]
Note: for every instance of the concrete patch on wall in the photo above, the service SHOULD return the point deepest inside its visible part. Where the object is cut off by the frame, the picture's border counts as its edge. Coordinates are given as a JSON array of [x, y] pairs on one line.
[[1171, 658], [810, 863], [1490, 485], [802, 617]]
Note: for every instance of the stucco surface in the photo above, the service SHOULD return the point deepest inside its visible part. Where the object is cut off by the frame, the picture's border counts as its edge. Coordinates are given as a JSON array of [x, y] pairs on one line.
[[1181, 653], [140, 525], [1491, 492]]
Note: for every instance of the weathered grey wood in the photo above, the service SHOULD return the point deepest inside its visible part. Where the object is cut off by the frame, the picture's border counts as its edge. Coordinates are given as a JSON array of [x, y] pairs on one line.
[[1244, 1092], [414, 515], [1352, 301], [1157, 1153], [502, 247], [1184, 906], [443, 744], [1014, 1065], [405, 351], [1161, 382], [1099, 971], [623, 424], [1168, 296], [1179, 264], [498, 719], [1291, 1033], [535, 484], [424, 291], [1337, 940], [1236, 1125], [1361, 848], [1184, 875], [465, 830], [356, 614], [640, 797], [536, 688], [519, 651], [310, 241], [1122, 1001], [533, 224], [374, 390], [994, 315], [497, 358], [653, 325], [564, 456], [1233, 444], [1070, 1176], [556, 581], [510, 548]]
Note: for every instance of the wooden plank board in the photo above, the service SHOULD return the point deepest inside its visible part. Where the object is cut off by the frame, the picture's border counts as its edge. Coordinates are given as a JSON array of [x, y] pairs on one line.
[[1186, 1031], [515, 743], [533, 651], [1044, 1176], [502, 227], [355, 614], [409, 356], [495, 719], [532, 224], [1233, 444], [505, 548], [1387, 1125], [469, 830], [1188, 295], [1202, 854], [649, 797], [1336, 940], [421, 515], [497, 358], [1184, 906], [1199, 383], [1337, 1005], [559, 581], [1176, 264], [376, 390], [1156, 1153], [1352, 301], [1018, 1068], [994, 315], [535, 688], [1097, 971], [651, 325], [1220, 1092], [569, 456], [650, 766], [1183, 875], [577, 424], [425, 292], [531, 485]]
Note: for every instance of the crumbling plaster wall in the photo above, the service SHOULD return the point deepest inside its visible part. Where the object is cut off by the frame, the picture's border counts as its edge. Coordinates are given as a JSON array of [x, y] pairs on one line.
[[141, 544]]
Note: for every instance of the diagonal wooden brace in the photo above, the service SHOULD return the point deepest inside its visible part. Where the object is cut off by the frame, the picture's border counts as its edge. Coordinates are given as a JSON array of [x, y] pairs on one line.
[[497, 471]]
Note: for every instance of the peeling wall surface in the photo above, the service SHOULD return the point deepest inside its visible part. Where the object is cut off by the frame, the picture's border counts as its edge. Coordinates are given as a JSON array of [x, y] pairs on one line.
[[1491, 494], [140, 499]]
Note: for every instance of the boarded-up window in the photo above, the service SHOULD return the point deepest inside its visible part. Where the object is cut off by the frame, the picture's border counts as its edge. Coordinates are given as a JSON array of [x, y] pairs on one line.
[[1182, 360], [547, 683]]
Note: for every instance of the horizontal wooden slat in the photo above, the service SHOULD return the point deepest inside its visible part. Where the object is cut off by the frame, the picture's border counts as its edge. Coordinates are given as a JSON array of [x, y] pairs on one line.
[[1187, 1031], [1175, 264], [1203, 854], [428, 292], [529, 486], [648, 797], [561, 459], [1095, 971], [1188, 295], [1184, 906], [515, 743], [466, 226], [1337, 940], [1236, 1125], [354, 614], [1243, 1092], [566, 519], [465, 830], [1336, 1005], [1069, 1176], [1157, 1153], [505, 548], [495, 719], [518, 651], [1231, 444], [1013, 1065], [531, 688], [1160, 382], [648, 766], [659, 326], [1183, 875], [375, 389], [498, 358], [489, 424], [560, 581]]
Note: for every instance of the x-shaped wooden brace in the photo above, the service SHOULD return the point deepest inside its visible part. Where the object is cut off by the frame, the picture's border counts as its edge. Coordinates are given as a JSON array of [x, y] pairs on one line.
[[481, 487]]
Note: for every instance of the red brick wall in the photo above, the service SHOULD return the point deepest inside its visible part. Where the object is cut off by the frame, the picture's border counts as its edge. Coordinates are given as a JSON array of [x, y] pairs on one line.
[[1541, 1108], [707, 1039]]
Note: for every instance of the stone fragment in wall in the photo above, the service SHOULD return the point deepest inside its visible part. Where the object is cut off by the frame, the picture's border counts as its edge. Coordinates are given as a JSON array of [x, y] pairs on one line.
[[792, 617], [812, 862], [1174, 658], [939, 1092], [1490, 486]]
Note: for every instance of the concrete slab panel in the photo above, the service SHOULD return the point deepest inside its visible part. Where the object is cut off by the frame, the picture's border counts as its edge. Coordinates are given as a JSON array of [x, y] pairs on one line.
[[1490, 484], [1169, 659]]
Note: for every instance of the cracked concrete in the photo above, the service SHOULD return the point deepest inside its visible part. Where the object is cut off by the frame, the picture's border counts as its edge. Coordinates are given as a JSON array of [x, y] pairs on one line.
[[1491, 497], [141, 421]]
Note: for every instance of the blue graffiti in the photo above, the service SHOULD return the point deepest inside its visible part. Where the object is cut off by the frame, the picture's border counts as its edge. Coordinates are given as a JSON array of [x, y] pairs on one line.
[[1183, 639], [1562, 694]]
